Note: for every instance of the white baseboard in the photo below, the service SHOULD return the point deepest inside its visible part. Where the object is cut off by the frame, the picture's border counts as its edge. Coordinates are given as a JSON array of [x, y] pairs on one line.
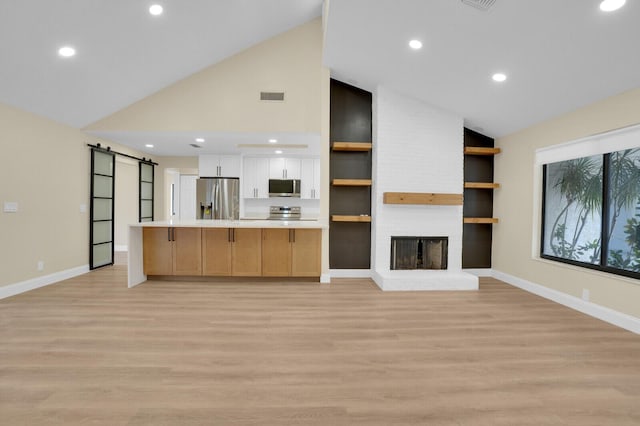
[[483, 272], [32, 284], [325, 278], [350, 273], [619, 319]]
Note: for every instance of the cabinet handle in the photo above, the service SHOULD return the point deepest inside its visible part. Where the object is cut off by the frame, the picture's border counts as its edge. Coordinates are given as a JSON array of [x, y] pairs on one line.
[[292, 235], [233, 235], [168, 234]]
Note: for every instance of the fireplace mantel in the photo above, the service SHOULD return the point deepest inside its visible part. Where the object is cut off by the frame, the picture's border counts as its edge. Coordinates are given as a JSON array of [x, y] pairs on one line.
[[428, 198]]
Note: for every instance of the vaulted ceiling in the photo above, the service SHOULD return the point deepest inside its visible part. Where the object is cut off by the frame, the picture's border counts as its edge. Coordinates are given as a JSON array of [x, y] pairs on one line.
[[557, 55]]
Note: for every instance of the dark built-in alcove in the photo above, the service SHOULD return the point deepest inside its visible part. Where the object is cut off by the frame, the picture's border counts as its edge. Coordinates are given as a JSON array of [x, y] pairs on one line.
[[478, 203], [350, 241]]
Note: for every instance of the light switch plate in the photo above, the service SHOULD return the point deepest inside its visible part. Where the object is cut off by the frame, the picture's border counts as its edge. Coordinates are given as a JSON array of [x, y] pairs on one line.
[[10, 206], [83, 208]]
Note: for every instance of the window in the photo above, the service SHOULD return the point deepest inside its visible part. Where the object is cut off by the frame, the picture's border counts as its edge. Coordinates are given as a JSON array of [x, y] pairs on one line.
[[591, 212]]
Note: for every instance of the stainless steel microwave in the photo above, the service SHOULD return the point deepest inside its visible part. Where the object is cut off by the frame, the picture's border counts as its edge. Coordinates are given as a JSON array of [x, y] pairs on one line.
[[284, 188]]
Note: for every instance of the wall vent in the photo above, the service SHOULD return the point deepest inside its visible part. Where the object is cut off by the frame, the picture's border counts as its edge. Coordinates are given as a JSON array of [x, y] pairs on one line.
[[272, 96], [195, 145], [483, 5]]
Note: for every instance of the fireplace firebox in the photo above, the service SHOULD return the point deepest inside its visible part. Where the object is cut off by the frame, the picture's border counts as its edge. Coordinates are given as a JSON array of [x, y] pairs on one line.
[[419, 253]]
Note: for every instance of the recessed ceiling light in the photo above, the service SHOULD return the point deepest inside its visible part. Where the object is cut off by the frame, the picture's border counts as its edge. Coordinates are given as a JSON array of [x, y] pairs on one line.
[[66, 51], [273, 140], [199, 140], [415, 44], [278, 151], [611, 5], [156, 10], [499, 77], [149, 145]]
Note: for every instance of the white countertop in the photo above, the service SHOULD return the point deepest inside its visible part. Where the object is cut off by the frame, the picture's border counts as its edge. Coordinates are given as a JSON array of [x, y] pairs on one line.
[[242, 223]]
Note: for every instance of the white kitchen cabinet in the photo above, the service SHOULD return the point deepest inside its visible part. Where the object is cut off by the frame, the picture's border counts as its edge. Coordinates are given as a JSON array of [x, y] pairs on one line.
[[255, 177], [219, 166], [310, 179], [284, 168]]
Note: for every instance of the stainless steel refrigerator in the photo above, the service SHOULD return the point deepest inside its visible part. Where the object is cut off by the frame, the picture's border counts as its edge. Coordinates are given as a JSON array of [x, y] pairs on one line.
[[218, 198]]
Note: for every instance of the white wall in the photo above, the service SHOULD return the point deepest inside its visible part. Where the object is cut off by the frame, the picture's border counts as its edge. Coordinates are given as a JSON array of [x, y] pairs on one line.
[[126, 200], [416, 148]]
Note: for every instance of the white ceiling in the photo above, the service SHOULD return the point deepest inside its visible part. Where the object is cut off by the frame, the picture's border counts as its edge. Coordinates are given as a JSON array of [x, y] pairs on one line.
[[123, 53], [180, 143], [558, 55]]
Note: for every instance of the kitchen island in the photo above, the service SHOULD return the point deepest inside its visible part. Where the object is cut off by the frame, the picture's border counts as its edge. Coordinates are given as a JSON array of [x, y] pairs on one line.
[[225, 248]]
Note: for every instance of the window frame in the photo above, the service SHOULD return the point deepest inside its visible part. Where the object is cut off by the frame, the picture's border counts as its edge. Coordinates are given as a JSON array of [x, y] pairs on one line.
[[606, 205]]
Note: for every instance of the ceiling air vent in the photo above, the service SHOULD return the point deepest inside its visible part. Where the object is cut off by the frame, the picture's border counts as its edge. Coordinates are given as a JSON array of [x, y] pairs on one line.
[[483, 5], [195, 145], [272, 96]]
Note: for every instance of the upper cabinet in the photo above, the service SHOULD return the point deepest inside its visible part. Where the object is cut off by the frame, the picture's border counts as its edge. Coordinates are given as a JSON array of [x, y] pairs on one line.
[[256, 172], [255, 177], [219, 166], [284, 168], [310, 179]]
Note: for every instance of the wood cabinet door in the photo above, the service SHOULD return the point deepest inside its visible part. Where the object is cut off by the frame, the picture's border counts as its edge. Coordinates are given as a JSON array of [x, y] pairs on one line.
[[276, 252], [187, 251], [310, 178], [246, 252], [292, 168], [229, 166], [262, 177], [208, 165], [157, 251], [276, 168], [305, 253], [216, 251]]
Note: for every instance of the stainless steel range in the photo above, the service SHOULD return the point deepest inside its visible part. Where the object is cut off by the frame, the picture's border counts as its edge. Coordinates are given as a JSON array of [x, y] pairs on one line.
[[284, 213]]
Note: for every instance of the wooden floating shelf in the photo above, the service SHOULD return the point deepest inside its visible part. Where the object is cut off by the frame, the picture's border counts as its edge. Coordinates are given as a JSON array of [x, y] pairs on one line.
[[352, 146], [477, 150], [350, 218], [422, 198], [480, 220], [481, 185], [351, 182]]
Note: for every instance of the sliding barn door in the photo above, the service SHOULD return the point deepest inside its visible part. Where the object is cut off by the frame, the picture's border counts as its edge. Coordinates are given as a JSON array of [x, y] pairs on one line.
[[102, 208]]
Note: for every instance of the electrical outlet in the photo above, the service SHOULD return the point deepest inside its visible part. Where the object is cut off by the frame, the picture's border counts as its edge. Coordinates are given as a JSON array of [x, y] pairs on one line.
[[10, 206], [40, 265], [585, 294], [83, 208]]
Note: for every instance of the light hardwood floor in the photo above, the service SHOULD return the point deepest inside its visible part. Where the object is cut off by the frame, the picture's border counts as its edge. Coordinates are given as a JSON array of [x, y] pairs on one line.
[[91, 351]]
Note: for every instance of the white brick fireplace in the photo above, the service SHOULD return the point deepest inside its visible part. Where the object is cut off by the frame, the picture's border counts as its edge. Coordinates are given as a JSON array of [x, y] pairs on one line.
[[417, 148]]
